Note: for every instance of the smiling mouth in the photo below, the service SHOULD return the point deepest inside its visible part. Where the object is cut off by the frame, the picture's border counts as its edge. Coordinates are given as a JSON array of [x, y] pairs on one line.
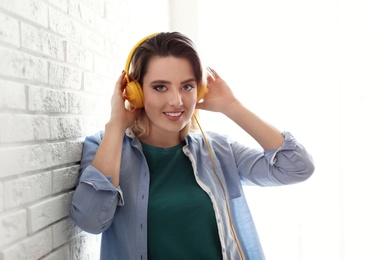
[[173, 114]]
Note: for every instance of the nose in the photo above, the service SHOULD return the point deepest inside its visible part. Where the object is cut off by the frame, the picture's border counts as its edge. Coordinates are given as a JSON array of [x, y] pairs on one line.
[[176, 99]]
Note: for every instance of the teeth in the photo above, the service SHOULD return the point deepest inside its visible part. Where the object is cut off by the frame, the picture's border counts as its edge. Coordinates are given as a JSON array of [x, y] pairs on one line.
[[173, 114]]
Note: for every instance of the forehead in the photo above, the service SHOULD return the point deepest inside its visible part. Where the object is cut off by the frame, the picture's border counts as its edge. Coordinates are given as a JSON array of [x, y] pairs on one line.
[[165, 67]]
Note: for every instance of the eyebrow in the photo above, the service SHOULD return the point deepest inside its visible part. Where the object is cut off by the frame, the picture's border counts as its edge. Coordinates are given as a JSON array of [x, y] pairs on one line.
[[160, 81]]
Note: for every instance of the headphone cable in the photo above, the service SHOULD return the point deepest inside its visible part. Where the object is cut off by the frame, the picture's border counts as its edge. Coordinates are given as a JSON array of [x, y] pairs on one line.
[[223, 188]]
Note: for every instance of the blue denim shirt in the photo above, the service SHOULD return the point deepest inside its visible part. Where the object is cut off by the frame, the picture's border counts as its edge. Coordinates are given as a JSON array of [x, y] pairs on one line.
[[121, 213]]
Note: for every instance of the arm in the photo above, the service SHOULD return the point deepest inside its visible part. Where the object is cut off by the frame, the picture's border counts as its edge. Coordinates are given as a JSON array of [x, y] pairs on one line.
[[284, 160], [108, 155], [96, 196], [221, 99]]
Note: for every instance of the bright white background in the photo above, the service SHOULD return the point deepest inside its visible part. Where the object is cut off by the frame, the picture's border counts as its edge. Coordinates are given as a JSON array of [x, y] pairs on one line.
[[319, 69]]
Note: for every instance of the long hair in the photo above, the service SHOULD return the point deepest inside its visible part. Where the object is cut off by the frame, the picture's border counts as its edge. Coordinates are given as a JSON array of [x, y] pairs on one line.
[[165, 44]]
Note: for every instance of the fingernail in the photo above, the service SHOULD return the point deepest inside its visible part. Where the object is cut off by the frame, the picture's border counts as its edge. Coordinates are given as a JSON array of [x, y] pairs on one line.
[[123, 71]]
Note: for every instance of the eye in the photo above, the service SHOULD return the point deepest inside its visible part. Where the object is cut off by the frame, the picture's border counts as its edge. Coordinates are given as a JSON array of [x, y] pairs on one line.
[[160, 88], [188, 87]]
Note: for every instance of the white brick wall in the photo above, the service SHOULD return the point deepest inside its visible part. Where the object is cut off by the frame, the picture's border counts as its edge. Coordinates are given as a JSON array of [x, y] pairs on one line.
[[59, 60]]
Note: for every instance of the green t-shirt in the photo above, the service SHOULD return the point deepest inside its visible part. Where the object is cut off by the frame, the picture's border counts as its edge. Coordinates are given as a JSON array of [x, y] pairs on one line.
[[181, 219]]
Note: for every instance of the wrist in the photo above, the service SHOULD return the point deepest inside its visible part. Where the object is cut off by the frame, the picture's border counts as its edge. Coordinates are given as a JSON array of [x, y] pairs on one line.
[[233, 108], [115, 127]]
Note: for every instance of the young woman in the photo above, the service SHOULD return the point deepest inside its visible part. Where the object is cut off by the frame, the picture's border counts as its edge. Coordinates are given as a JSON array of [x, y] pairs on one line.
[[156, 187]]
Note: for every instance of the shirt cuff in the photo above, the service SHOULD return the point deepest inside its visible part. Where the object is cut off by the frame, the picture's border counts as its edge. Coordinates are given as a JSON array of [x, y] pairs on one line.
[[288, 144], [100, 182]]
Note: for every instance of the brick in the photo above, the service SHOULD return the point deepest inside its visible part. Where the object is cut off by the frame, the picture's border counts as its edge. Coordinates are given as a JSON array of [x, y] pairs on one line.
[[64, 76], [19, 128], [107, 67], [61, 4], [82, 103], [12, 95], [94, 40], [33, 10], [62, 24], [99, 84], [27, 189], [65, 178], [9, 30], [62, 253], [63, 231], [15, 128], [13, 226], [80, 56], [20, 159], [21, 65], [48, 211], [92, 124], [11, 161], [82, 13], [33, 247], [47, 155], [41, 41], [47, 100], [65, 127], [74, 150], [97, 6]]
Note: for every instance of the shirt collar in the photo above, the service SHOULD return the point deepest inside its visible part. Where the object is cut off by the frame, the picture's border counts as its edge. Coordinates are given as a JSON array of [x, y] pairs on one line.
[[189, 138]]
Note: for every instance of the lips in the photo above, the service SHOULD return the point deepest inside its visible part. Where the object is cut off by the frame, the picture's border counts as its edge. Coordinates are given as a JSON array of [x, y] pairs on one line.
[[173, 115]]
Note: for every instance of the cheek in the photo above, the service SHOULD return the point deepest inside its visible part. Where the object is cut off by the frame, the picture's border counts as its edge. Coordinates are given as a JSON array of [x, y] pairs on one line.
[[149, 98], [192, 99], [150, 104]]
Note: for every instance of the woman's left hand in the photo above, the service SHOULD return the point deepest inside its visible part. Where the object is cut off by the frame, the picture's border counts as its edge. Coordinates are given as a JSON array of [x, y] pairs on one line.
[[219, 96]]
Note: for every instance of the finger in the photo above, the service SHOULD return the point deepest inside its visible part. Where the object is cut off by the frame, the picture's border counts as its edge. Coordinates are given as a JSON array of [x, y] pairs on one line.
[[209, 74], [213, 72], [210, 79], [120, 79], [121, 82]]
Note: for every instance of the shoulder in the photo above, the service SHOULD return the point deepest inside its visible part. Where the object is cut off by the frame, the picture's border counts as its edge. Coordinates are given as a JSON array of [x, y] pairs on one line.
[[210, 136], [212, 139], [94, 138]]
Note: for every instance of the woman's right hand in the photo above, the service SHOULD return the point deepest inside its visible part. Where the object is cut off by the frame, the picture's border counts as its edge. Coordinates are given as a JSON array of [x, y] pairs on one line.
[[120, 115]]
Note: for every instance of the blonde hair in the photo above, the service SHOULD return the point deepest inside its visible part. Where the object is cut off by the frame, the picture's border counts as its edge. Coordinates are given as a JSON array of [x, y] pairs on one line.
[[164, 45]]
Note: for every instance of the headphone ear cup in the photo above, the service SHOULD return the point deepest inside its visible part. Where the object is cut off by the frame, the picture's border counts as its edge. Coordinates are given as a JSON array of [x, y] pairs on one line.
[[134, 94], [202, 91]]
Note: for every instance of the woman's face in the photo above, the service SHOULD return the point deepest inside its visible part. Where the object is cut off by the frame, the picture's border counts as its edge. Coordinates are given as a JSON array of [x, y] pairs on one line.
[[170, 94]]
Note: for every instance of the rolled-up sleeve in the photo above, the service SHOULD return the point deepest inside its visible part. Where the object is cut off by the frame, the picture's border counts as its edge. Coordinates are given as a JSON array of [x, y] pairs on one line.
[[95, 199], [288, 164]]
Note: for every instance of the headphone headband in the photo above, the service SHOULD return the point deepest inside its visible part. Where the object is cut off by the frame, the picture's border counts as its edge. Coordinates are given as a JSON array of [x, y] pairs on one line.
[[127, 65]]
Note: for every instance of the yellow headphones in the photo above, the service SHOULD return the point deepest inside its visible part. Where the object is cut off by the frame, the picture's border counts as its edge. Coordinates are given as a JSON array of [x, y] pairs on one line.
[[133, 90]]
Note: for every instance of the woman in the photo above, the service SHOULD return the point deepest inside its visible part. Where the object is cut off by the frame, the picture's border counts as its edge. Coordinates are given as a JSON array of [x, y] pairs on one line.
[[158, 189]]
